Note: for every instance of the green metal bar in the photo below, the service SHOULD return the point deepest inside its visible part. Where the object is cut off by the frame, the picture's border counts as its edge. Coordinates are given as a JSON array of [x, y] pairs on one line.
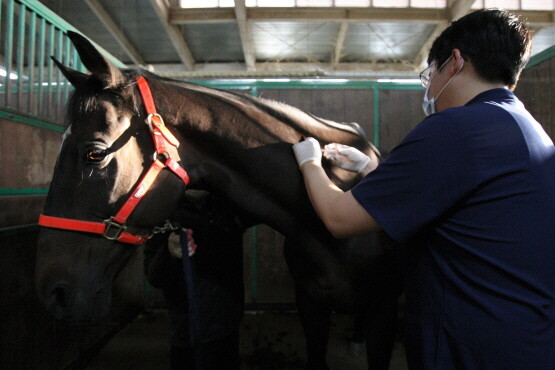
[[541, 57], [61, 24], [376, 118], [8, 50], [58, 96], [18, 117], [0, 19], [26, 191], [67, 61], [308, 84], [49, 67], [20, 53], [74, 59], [40, 64], [34, 88], [31, 60]]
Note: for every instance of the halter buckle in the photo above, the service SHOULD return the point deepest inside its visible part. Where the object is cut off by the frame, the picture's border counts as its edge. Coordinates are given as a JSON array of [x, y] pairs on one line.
[[150, 124], [113, 229]]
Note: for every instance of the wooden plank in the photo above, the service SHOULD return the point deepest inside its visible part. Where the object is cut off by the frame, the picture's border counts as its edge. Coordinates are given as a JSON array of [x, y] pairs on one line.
[[396, 122]]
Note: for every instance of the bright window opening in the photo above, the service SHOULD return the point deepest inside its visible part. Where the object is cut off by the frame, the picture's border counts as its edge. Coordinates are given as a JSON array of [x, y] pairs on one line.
[[391, 3], [314, 2], [352, 3], [478, 4], [206, 3]]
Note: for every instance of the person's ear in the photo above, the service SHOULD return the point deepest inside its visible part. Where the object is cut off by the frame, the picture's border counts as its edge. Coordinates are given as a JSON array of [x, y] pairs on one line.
[[458, 62]]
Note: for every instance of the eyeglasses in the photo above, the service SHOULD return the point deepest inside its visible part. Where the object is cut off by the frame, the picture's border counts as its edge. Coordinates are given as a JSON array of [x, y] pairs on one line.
[[426, 75]]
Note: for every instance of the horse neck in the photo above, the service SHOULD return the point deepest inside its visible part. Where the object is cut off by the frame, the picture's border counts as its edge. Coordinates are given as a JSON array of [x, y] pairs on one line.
[[241, 148]]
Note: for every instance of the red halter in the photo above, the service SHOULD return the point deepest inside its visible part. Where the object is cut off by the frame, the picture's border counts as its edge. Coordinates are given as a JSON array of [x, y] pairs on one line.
[[114, 227]]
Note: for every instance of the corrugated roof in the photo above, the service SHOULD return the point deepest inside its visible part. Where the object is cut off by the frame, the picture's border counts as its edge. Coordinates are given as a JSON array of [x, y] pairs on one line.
[[381, 41]]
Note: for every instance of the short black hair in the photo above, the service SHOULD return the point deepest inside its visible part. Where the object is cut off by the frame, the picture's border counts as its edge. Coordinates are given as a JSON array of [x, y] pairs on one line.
[[496, 42]]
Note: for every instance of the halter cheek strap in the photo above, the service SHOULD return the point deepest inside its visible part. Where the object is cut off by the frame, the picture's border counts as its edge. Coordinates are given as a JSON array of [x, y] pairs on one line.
[[114, 227]]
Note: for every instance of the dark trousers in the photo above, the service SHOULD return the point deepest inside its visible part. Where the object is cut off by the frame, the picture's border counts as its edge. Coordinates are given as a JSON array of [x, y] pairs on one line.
[[221, 354]]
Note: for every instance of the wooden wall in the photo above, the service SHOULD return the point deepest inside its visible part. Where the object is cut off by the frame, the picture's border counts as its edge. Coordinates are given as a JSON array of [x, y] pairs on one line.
[[400, 111], [28, 155], [341, 105], [536, 89]]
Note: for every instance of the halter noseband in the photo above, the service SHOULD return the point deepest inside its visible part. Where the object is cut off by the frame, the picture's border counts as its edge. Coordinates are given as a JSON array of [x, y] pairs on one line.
[[114, 227]]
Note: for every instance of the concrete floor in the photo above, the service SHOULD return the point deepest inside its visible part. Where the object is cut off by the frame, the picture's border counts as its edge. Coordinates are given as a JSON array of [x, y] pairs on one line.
[[268, 341]]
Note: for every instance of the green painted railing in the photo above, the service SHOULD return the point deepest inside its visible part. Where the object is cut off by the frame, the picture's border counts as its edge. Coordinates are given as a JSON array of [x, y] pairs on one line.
[[30, 83], [541, 57]]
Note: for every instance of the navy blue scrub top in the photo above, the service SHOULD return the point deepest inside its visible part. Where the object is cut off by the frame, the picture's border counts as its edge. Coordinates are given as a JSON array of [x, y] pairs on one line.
[[472, 189]]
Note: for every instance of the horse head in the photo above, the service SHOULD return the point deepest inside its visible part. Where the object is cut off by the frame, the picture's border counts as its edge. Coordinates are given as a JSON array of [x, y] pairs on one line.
[[105, 152]]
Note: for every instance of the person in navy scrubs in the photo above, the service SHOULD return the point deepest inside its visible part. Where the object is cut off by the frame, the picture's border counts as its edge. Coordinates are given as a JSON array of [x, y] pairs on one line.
[[472, 190], [218, 284]]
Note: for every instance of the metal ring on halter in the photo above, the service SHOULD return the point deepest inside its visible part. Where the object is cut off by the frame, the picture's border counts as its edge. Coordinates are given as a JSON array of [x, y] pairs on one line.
[[165, 154], [149, 121]]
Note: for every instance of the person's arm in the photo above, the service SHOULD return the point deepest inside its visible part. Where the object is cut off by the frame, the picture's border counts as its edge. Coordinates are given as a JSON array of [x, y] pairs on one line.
[[161, 268], [343, 216]]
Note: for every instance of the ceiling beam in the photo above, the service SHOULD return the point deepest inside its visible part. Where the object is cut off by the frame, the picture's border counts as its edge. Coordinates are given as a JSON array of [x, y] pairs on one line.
[[245, 34], [162, 10], [308, 14], [457, 9], [336, 14], [115, 31], [337, 52], [281, 69]]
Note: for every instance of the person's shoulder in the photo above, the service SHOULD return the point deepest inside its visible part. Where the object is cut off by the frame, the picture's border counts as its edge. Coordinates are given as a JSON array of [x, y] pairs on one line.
[[446, 122], [463, 118]]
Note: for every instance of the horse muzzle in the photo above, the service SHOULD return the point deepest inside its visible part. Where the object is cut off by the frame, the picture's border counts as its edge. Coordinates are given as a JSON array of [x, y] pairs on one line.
[[69, 305], [74, 290]]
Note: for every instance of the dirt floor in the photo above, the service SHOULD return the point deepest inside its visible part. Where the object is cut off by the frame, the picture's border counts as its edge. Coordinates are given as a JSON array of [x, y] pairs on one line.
[[268, 341]]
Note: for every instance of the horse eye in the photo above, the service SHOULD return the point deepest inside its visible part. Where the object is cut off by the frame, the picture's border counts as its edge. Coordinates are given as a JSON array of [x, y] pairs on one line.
[[96, 155]]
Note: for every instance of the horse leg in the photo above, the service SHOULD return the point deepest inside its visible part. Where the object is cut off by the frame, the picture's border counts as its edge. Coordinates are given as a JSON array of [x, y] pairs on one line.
[[380, 328], [316, 324]]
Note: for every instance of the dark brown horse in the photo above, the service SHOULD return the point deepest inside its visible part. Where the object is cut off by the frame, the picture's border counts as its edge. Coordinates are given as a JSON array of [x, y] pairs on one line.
[[235, 146]]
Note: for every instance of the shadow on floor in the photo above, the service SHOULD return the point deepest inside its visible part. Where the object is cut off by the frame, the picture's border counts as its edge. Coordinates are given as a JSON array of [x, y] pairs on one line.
[[268, 341]]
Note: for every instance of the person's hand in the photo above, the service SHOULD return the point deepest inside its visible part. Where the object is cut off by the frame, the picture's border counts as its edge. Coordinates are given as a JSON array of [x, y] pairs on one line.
[[307, 150], [174, 244], [346, 157]]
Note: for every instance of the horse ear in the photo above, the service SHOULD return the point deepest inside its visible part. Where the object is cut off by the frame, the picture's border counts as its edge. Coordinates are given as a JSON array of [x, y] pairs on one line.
[[76, 78], [100, 68]]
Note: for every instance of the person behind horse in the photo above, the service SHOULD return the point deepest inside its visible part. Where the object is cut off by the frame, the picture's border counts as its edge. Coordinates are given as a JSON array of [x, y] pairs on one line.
[[473, 185], [218, 284]]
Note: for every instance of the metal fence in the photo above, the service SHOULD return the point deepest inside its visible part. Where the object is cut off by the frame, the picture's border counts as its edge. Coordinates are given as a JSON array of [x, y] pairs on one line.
[[30, 82]]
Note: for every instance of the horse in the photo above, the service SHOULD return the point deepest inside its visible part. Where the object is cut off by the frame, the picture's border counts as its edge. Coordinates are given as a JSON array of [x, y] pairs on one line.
[[235, 146]]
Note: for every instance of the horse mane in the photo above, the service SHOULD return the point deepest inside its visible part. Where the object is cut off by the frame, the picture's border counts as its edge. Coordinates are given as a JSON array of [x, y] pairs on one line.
[[302, 121]]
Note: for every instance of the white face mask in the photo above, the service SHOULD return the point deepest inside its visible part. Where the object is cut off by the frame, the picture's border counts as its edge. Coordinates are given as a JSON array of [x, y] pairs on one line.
[[429, 105]]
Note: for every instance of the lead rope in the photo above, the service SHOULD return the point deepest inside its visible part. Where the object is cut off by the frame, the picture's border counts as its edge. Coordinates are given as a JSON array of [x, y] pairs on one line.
[[192, 307]]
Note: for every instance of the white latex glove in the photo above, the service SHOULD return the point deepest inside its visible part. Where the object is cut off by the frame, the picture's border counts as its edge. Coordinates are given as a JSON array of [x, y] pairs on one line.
[[174, 244], [346, 157], [307, 150]]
